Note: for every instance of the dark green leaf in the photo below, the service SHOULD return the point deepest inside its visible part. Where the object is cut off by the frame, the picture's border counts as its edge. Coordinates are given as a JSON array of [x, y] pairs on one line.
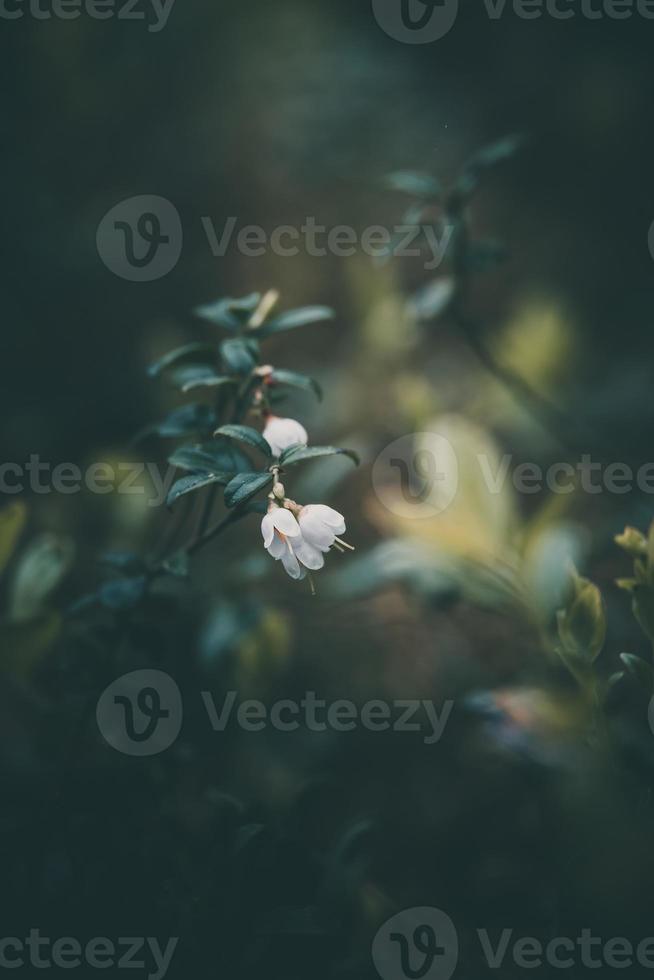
[[209, 457], [297, 454], [173, 357], [639, 669], [124, 593], [192, 482], [296, 318], [295, 380], [412, 182], [244, 433], [199, 376], [232, 314], [244, 486], [482, 161], [433, 299], [238, 356], [183, 421], [496, 152]]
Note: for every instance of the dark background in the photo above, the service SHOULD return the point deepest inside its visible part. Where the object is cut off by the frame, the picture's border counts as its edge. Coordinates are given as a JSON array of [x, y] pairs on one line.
[[271, 112]]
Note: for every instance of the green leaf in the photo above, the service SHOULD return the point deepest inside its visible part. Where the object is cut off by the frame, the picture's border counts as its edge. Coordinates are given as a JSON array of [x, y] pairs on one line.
[[232, 314], [295, 318], [244, 433], [633, 542], [181, 354], [13, 518], [496, 152], [297, 454], [433, 299], [183, 421], [582, 625], [192, 482], [638, 669], [124, 593], [643, 607], [209, 457], [244, 486], [199, 376], [42, 566], [295, 380], [416, 183], [486, 158], [238, 355]]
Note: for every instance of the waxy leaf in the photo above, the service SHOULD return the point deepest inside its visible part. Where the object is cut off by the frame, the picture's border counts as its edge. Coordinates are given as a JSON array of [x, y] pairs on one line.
[[295, 318], [244, 486], [232, 314], [210, 457], [192, 482], [295, 380], [244, 433], [412, 182], [196, 351], [238, 355], [199, 376], [297, 454], [183, 421]]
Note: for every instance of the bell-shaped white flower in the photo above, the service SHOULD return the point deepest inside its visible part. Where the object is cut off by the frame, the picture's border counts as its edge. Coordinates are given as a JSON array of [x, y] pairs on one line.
[[281, 434], [320, 526], [283, 540]]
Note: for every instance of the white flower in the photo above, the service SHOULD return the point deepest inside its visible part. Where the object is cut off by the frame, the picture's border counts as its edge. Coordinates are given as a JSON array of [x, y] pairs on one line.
[[281, 434], [320, 525], [283, 540]]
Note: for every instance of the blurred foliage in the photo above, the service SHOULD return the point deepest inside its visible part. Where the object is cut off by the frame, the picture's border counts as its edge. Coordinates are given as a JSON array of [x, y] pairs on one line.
[[282, 854]]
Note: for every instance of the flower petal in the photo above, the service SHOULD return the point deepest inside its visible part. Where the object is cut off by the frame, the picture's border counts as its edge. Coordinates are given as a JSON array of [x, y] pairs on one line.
[[281, 434], [314, 530], [285, 522], [267, 530], [310, 557], [330, 517], [277, 546], [291, 564]]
